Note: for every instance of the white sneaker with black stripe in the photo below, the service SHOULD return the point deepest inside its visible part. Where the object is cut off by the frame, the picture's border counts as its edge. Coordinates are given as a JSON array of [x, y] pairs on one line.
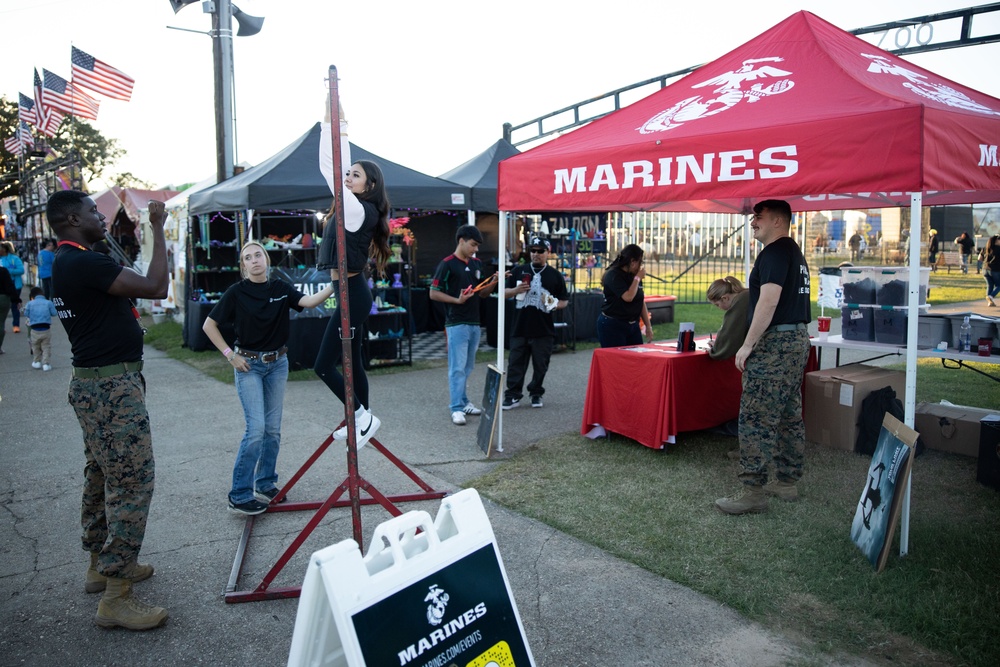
[[471, 409]]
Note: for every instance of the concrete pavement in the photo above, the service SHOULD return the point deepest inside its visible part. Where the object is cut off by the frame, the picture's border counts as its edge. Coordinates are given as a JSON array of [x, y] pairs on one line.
[[579, 605]]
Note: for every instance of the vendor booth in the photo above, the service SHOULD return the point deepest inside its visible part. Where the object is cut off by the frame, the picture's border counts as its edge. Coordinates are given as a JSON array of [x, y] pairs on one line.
[[276, 201], [803, 112]]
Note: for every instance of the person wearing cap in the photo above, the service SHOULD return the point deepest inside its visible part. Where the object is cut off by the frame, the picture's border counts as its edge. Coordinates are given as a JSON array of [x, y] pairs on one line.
[[457, 279], [92, 294], [933, 246], [538, 290]]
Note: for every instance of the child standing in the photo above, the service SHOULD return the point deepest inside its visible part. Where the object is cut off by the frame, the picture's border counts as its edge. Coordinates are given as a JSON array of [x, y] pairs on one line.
[[39, 313]]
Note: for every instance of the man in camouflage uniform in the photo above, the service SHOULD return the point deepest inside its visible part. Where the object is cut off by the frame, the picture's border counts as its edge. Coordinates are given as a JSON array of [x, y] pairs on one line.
[[772, 359], [92, 295]]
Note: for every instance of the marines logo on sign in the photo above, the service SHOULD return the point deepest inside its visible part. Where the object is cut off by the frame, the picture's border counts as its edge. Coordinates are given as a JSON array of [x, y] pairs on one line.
[[438, 602], [919, 84], [728, 94]]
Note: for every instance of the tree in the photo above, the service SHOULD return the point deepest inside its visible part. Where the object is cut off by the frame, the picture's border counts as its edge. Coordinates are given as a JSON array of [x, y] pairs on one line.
[[9, 176], [97, 153]]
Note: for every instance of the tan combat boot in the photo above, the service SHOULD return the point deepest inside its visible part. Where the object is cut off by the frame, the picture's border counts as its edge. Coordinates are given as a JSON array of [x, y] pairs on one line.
[[786, 491], [749, 499], [95, 581], [119, 609]]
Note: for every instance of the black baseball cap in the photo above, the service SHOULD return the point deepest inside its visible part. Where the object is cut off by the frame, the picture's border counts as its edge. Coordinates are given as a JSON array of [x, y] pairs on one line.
[[539, 243]]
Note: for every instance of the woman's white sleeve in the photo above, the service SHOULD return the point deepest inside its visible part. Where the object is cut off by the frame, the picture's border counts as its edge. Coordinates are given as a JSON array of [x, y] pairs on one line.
[[354, 213]]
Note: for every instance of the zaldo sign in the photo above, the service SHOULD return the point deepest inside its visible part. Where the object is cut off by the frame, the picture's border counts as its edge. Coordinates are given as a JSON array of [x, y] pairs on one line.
[[428, 594]]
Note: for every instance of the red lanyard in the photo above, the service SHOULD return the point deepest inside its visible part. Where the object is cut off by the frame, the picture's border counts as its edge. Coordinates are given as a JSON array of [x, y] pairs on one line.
[[74, 244]]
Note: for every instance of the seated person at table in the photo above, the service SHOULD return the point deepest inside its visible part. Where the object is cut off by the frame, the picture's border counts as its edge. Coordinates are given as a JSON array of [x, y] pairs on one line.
[[729, 294], [624, 303]]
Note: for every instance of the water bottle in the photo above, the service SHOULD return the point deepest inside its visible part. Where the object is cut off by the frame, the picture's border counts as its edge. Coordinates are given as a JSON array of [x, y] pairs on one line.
[[965, 335]]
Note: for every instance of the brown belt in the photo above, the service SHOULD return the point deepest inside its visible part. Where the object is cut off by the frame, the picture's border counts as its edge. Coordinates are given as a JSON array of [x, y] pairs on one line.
[[266, 357]]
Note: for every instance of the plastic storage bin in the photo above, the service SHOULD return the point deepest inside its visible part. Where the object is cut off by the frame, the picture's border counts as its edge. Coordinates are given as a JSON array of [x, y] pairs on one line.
[[889, 325], [932, 329], [892, 285], [857, 323], [860, 284]]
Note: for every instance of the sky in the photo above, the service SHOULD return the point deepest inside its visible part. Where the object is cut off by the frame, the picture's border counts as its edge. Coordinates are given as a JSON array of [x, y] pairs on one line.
[[425, 83]]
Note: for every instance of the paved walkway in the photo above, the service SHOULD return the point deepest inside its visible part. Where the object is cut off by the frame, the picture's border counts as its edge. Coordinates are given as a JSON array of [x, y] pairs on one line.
[[579, 605]]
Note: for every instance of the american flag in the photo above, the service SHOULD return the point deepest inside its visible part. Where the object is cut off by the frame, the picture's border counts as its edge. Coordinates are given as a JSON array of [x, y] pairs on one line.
[[100, 77], [22, 137], [61, 94], [47, 119], [26, 108]]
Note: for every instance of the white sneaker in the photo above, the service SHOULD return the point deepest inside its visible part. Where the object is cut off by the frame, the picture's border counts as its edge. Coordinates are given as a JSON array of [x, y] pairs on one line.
[[36, 364], [368, 425], [471, 409], [458, 418], [46, 367], [340, 433]]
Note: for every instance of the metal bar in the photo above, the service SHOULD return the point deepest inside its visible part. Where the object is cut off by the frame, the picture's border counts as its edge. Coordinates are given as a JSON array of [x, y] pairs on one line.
[[403, 467], [241, 550]]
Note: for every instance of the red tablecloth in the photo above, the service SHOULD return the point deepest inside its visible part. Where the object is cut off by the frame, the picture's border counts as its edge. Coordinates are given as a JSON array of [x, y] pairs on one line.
[[650, 393]]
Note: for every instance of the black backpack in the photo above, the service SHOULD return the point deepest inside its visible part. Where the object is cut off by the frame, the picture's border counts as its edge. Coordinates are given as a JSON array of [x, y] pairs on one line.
[[873, 410]]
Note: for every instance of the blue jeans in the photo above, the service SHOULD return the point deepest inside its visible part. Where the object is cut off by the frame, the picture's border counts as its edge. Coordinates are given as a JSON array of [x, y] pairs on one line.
[[615, 333], [992, 282], [262, 393], [463, 342]]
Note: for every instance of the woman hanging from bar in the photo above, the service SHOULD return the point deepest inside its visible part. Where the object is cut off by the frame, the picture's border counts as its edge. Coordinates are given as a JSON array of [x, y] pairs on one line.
[[366, 224]]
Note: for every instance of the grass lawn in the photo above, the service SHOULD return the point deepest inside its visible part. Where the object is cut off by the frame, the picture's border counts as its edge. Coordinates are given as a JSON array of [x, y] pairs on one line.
[[794, 568]]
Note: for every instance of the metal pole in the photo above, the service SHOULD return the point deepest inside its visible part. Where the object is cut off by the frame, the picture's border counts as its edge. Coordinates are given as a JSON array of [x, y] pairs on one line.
[[346, 331], [222, 56]]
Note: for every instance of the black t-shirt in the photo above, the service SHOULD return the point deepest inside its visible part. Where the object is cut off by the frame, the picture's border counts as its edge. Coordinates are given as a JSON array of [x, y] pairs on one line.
[[531, 320], [259, 313], [782, 263], [102, 328], [616, 282], [451, 277]]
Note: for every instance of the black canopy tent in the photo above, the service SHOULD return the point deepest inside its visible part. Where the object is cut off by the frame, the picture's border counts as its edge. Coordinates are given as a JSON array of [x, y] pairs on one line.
[[291, 179], [479, 174]]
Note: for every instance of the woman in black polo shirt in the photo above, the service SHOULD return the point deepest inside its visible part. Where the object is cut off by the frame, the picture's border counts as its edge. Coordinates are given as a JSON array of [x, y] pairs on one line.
[[258, 309], [624, 303]]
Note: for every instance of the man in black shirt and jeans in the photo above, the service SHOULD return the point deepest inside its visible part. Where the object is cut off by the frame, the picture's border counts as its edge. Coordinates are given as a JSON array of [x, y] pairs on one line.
[[92, 295], [772, 359], [538, 289]]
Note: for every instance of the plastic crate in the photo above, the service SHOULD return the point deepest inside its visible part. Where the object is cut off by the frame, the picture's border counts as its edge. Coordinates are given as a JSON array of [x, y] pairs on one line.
[[857, 322], [889, 325], [893, 285], [859, 285]]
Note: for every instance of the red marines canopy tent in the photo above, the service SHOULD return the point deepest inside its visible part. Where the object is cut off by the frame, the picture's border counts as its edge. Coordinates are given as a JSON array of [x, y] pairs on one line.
[[804, 112]]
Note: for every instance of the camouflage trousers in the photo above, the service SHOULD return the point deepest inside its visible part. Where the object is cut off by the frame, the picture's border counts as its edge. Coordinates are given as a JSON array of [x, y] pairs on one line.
[[772, 434], [119, 470]]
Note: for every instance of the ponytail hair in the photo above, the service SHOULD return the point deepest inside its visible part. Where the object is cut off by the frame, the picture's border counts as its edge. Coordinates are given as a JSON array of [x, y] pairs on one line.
[[723, 286]]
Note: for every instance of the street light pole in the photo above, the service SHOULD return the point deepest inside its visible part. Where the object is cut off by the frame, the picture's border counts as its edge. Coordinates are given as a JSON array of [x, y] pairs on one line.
[[222, 56]]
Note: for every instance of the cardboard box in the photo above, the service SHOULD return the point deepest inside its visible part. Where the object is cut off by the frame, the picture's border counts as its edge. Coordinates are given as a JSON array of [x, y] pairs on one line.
[[950, 428], [833, 401]]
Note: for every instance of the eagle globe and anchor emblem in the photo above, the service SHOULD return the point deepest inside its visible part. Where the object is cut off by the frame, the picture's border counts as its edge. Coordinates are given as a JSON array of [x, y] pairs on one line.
[[729, 93], [438, 603]]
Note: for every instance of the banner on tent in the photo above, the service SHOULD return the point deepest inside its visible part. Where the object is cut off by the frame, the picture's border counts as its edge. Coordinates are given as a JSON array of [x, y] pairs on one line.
[[308, 281]]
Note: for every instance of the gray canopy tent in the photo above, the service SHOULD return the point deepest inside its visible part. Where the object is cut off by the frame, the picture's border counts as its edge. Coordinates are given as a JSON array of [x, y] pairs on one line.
[[480, 175]]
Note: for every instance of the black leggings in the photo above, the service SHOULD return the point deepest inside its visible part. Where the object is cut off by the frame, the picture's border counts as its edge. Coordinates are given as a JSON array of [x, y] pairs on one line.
[[331, 349]]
